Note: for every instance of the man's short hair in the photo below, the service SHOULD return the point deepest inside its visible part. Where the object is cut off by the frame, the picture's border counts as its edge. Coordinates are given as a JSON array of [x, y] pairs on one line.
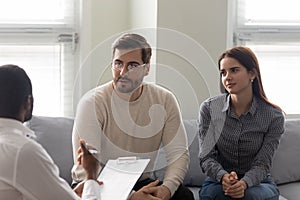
[[133, 41], [15, 87]]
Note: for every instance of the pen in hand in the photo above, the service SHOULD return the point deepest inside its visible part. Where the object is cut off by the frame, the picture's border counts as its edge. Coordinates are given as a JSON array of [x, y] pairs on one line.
[[83, 145], [88, 161]]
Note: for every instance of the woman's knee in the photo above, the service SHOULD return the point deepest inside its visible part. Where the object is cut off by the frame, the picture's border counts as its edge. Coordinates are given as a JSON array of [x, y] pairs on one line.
[[262, 192], [212, 191]]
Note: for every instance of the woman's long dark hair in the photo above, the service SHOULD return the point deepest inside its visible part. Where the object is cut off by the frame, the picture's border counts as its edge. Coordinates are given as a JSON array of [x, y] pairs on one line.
[[247, 58]]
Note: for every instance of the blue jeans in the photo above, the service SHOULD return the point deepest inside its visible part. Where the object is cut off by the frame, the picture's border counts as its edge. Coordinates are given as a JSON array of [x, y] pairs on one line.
[[266, 190]]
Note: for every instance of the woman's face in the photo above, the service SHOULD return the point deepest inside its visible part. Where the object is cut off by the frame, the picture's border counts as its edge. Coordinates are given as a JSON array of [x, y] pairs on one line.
[[235, 77]]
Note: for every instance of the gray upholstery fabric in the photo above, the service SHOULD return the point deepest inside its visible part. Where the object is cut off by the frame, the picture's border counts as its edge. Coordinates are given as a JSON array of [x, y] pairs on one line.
[[194, 176], [290, 191], [54, 134], [286, 162]]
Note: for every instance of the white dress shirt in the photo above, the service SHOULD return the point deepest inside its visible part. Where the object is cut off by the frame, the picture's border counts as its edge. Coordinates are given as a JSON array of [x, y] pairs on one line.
[[28, 172]]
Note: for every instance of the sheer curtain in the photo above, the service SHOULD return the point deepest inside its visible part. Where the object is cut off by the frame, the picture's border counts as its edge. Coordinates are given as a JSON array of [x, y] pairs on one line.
[[272, 30], [40, 36]]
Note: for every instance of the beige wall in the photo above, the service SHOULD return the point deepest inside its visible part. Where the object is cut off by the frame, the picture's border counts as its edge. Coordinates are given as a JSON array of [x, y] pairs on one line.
[[202, 29], [187, 37], [203, 20]]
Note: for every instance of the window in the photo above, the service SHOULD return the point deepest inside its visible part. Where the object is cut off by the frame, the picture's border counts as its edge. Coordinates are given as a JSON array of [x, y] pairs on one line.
[[272, 30], [268, 13], [40, 37]]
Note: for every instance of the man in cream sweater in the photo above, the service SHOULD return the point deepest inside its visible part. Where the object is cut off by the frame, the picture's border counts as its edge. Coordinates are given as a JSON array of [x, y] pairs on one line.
[[128, 117]]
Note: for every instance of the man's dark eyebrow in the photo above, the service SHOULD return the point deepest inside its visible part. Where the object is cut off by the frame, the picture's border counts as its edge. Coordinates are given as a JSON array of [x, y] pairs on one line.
[[134, 62], [130, 62], [118, 60]]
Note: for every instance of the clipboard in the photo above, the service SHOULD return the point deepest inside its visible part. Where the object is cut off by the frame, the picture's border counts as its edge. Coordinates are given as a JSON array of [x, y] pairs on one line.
[[119, 176]]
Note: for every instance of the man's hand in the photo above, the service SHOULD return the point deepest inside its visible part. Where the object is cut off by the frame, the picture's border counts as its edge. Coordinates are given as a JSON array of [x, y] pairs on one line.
[[159, 191], [143, 194], [88, 161]]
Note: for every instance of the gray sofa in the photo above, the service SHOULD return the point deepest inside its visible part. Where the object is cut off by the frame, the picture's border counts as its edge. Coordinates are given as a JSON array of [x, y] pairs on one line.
[[54, 134]]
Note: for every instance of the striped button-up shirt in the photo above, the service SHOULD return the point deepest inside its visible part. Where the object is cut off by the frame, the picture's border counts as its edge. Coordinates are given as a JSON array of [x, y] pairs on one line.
[[244, 144]]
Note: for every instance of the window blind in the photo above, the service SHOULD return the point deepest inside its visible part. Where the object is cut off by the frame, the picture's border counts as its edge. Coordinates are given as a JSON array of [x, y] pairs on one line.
[[280, 68], [40, 36], [272, 30]]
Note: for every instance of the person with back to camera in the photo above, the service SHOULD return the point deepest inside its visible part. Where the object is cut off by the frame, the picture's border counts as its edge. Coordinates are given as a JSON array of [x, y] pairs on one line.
[[27, 171], [128, 117], [239, 132]]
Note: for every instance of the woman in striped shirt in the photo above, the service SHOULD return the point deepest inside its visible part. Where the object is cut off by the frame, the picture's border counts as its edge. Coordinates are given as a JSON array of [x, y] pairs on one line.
[[239, 132]]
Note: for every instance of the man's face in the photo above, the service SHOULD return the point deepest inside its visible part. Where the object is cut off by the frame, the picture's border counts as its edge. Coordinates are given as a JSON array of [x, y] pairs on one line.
[[128, 80]]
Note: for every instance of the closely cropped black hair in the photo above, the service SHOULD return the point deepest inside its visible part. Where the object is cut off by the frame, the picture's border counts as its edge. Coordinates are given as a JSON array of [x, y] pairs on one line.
[[15, 88], [133, 41]]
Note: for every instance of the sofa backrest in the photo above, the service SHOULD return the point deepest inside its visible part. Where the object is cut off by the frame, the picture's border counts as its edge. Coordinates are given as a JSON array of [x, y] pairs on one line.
[[55, 133], [194, 176], [286, 161]]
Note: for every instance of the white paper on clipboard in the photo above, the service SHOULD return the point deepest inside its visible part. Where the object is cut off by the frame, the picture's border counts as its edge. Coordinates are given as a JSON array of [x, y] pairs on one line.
[[119, 176]]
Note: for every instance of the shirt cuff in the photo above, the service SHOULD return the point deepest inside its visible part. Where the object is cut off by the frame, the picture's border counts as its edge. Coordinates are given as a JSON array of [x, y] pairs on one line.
[[130, 195], [248, 181], [171, 187], [91, 190], [220, 174]]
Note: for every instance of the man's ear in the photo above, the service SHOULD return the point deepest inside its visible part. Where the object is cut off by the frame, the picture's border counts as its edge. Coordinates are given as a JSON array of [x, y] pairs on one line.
[[28, 107], [147, 69], [28, 102]]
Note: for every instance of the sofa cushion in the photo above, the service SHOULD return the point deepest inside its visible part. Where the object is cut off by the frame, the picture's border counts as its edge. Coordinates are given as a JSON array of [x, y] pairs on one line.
[[290, 191], [286, 162], [194, 176], [55, 135]]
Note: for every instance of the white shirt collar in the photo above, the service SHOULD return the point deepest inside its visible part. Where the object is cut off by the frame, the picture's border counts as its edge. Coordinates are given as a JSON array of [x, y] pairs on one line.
[[17, 126]]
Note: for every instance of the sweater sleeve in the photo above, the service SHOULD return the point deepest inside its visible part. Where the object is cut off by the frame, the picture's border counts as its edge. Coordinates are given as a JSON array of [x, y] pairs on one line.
[[176, 147], [86, 126]]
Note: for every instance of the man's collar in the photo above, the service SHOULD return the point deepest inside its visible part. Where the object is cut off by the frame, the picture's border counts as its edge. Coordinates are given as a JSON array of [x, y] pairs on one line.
[[17, 125]]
